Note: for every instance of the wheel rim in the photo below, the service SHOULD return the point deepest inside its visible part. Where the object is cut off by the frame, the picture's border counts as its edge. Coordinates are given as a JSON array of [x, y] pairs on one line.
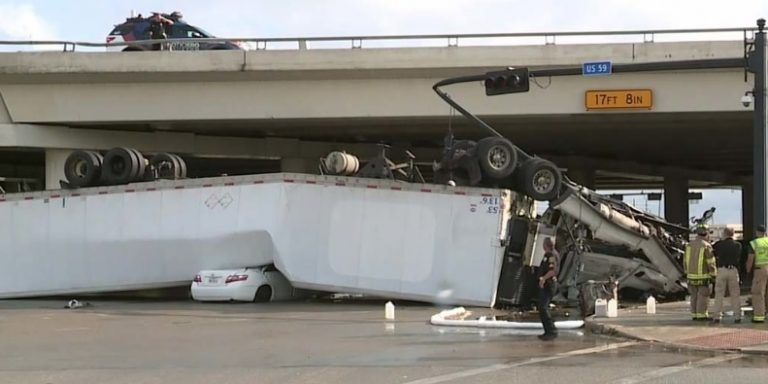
[[165, 169], [543, 181], [81, 169], [117, 166], [499, 157]]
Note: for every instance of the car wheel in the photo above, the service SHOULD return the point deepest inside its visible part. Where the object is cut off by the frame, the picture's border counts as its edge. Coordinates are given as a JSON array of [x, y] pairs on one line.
[[541, 179], [497, 157], [263, 294], [83, 168]]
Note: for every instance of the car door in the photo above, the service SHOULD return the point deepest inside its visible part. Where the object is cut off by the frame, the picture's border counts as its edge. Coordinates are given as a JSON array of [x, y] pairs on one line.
[[184, 31]]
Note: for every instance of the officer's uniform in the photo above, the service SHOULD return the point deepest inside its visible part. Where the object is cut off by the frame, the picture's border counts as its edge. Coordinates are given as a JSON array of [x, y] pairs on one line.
[[701, 269], [728, 254], [760, 278], [551, 262], [157, 32]]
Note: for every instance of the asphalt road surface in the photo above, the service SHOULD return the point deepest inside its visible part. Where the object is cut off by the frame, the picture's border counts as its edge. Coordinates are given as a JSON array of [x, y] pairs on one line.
[[320, 342]]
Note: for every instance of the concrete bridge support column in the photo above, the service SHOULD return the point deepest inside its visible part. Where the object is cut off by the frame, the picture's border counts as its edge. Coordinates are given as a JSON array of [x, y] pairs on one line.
[[748, 210], [583, 176], [54, 167], [298, 165], [676, 200]]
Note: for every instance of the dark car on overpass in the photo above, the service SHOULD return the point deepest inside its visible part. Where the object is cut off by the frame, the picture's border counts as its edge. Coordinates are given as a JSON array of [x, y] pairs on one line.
[[138, 28]]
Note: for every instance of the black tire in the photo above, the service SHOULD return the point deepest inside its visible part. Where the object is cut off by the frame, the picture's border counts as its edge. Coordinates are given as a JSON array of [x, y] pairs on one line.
[[121, 166], [541, 179], [165, 166], [497, 157], [142, 161], [182, 166], [263, 294], [83, 169]]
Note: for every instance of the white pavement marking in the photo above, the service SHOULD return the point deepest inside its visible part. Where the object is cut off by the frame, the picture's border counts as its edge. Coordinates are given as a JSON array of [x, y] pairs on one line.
[[675, 369], [499, 367]]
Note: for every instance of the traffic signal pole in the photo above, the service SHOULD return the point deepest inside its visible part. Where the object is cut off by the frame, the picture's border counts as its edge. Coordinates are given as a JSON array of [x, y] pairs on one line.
[[757, 65]]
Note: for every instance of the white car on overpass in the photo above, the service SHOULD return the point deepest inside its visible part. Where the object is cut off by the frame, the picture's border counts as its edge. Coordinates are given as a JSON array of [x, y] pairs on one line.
[[258, 284]]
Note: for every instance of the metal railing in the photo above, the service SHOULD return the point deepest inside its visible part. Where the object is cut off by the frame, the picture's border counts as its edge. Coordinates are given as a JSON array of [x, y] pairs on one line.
[[356, 42]]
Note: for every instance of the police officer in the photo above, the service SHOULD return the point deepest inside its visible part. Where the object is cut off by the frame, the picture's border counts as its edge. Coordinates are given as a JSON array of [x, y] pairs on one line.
[[547, 288], [699, 263], [157, 32], [727, 253], [758, 259]]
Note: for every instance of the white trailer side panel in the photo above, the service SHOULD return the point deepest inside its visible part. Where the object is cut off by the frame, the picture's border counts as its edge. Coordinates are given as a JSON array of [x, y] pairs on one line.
[[119, 241], [419, 242]]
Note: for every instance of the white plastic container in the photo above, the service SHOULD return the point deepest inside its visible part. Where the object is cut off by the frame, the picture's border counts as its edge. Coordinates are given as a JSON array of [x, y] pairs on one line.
[[613, 308], [389, 311], [601, 308], [650, 306]]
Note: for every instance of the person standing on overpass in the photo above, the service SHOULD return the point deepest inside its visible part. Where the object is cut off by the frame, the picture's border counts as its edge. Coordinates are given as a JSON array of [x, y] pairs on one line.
[[727, 254], [158, 26], [547, 288], [700, 268], [758, 259]]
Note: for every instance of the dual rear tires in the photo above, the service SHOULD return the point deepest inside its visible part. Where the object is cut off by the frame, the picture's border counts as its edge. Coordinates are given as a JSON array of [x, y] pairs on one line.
[[499, 159], [168, 166], [83, 168], [120, 166]]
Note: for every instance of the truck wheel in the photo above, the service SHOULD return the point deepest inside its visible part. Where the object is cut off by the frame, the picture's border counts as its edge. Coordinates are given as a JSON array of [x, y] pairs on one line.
[[141, 170], [497, 157], [263, 294], [121, 166], [83, 168], [541, 179], [182, 166], [165, 166]]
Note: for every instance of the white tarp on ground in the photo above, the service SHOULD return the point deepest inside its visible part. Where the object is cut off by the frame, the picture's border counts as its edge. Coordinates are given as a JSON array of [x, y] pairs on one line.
[[456, 317]]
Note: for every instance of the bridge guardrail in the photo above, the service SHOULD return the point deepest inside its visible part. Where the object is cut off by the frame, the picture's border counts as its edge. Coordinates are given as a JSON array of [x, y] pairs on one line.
[[356, 42]]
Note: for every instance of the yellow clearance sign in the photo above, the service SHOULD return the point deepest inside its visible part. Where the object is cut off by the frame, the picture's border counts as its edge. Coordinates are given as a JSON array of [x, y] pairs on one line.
[[619, 99]]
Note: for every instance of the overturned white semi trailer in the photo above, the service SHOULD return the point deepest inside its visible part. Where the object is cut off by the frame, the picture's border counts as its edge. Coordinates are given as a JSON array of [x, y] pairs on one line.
[[387, 238]]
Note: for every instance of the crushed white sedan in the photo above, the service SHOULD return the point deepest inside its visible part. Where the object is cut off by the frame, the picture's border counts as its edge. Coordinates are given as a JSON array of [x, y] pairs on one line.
[[256, 284]]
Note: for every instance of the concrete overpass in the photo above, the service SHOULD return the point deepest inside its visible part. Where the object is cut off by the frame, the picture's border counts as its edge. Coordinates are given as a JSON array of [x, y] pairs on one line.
[[295, 105]]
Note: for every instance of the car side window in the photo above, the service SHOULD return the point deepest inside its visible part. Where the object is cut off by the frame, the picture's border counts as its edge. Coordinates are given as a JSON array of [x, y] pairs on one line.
[[194, 34], [177, 31]]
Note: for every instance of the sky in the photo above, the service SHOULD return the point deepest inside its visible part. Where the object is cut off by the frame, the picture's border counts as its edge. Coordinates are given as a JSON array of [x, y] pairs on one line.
[[92, 20]]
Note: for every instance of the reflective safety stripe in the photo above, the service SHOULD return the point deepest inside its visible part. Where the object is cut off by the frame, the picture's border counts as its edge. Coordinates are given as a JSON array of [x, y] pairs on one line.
[[760, 248], [699, 273]]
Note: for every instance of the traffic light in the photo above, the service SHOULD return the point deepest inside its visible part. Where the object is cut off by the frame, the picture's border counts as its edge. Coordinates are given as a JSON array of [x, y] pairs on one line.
[[509, 81]]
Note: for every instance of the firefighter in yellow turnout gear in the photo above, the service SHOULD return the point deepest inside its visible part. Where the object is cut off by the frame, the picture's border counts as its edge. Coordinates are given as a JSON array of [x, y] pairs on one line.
[[701, 269], [758, 260]]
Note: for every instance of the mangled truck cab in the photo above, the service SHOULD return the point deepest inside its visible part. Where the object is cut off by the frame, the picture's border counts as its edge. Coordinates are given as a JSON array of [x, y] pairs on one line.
[[602, 241]]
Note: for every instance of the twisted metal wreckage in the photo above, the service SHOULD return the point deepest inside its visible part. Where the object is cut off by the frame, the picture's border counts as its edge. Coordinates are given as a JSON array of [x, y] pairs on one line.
[[605, 243]]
